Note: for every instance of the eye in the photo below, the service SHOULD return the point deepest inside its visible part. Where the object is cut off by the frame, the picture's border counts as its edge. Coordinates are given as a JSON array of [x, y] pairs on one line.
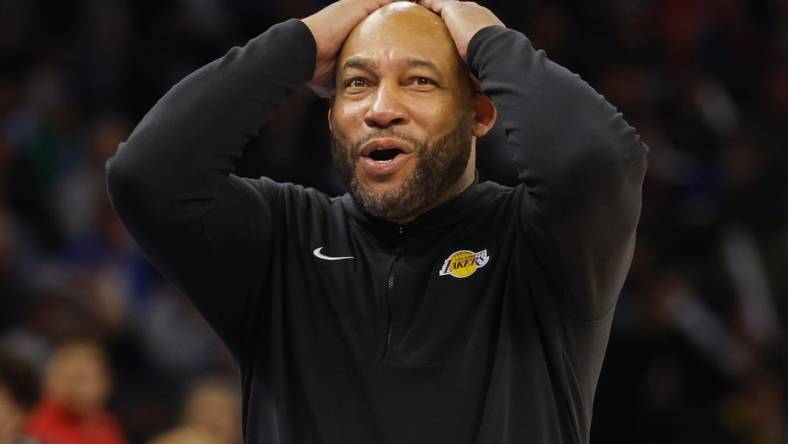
[[356, 82], [422, 83]]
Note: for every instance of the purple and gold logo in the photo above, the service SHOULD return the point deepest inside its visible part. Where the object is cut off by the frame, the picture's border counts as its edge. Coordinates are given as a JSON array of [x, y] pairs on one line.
[[464, 263]]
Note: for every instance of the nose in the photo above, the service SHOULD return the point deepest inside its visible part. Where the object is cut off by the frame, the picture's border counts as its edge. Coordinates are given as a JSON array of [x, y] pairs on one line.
[[386, 109]]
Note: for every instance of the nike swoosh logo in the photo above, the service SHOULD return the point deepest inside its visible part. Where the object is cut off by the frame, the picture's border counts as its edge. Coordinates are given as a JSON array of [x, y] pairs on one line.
[[320, 255]]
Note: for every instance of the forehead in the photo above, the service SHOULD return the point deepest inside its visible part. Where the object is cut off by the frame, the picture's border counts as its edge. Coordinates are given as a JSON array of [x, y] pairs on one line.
[[401, 33], [77, 355]]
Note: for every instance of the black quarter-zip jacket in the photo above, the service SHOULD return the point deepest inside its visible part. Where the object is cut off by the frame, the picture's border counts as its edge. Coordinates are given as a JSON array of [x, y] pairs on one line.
[[483, 321]]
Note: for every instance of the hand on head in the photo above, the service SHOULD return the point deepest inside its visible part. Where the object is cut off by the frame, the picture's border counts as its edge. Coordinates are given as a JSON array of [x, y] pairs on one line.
[[332, 25], [463, 19]]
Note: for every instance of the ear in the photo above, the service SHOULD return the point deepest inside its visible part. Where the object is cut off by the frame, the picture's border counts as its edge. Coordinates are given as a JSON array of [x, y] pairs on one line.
[[330, 108], [484, 113]]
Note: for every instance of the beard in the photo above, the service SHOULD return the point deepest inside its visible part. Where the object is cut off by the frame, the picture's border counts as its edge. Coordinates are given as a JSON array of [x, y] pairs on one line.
[[438, 166]]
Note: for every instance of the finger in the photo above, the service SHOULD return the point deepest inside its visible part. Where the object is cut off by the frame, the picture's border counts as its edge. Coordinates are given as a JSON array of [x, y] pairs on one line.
[[432, 5], [435, 6], [371, 6]]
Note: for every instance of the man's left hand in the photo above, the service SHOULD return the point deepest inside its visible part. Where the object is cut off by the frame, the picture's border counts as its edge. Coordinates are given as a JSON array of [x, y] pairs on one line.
[[463, 19]]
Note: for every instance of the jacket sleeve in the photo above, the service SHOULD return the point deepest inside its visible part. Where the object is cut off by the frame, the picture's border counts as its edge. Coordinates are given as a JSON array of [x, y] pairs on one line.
[[580, 163], [172, 181]]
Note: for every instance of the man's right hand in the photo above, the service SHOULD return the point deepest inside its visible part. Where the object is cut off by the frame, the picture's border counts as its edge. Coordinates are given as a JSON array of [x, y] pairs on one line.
[[330, 27]]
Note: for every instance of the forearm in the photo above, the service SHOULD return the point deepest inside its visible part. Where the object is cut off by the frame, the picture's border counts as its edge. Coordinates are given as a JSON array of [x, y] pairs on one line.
[[562, 131], [171, 183], [183, 149], [579, 161]]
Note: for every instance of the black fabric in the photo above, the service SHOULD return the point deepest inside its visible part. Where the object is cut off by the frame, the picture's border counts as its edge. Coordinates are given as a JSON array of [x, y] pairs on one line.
[[384, 347]]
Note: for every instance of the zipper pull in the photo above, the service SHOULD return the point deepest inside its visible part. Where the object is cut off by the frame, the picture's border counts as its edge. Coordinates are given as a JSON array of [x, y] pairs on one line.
[[401, 231]]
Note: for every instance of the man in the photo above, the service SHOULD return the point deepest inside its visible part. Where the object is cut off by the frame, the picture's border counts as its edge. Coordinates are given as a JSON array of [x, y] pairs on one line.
[[423, 307], [18, 393], [77, 386]]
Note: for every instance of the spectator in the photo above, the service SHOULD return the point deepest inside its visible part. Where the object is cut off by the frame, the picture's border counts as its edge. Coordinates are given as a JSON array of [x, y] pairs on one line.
[[184, 435], [77, 386], [18, 394], [210, 415]]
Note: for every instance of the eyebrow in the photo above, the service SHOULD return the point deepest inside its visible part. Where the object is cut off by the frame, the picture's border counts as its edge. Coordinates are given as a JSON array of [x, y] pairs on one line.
[[367, 64], [358, 63], [421, 63]]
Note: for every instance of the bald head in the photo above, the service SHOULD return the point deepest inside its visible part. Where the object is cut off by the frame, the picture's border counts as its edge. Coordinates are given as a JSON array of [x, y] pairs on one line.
[[408, 30], [402, 17]]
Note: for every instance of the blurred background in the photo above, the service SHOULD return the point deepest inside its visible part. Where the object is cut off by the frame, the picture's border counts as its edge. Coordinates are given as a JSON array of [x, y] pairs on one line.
[[698, 349]]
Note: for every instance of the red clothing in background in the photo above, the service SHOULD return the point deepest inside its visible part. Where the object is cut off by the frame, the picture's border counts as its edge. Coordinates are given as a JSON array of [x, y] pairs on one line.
[[53, 424]]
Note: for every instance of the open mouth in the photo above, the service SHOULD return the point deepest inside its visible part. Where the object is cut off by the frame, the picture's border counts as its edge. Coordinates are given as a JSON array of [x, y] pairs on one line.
[[385, 154], [384, 149]]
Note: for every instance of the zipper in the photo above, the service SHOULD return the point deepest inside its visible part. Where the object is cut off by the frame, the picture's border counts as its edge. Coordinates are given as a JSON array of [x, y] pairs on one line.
[[390, 290]]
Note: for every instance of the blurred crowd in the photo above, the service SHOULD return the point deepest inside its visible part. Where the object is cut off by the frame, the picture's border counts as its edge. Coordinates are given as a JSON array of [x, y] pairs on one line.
[[95, 347]]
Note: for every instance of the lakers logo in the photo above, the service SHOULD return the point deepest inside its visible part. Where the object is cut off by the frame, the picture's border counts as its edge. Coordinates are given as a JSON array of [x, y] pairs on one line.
[[464, 263]]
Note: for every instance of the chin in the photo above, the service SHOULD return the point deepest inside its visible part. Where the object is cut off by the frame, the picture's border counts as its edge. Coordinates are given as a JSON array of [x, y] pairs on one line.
[[386, 185]]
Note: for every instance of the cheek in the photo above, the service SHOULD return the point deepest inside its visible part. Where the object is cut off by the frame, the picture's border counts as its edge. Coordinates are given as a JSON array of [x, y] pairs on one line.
[[346, 120], [436, 118]]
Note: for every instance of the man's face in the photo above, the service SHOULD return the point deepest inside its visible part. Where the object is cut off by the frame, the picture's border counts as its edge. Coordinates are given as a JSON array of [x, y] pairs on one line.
[[401, 119]]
